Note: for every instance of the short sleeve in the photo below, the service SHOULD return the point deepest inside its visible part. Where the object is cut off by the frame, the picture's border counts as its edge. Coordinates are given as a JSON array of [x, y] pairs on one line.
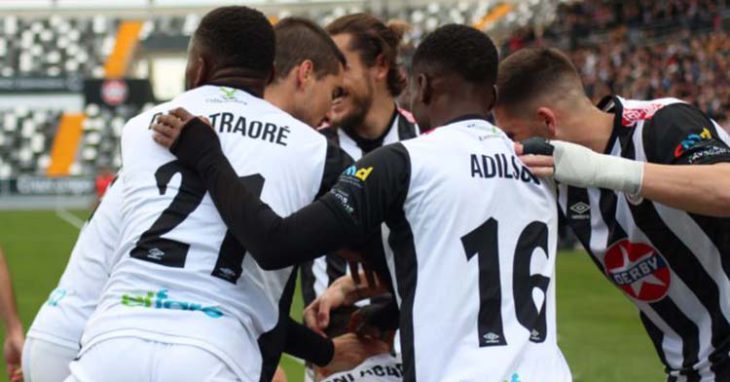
[[682, 134]]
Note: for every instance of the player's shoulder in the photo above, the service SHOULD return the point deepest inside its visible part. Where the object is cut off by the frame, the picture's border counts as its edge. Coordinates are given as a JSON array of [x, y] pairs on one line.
[[147, 117]]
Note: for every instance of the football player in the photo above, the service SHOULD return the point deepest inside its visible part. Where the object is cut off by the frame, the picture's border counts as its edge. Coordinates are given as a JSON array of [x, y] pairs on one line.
[[647, 211]]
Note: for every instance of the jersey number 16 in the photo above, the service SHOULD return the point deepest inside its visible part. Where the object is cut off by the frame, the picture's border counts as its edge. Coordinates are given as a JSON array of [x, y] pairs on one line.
[[483, 241]]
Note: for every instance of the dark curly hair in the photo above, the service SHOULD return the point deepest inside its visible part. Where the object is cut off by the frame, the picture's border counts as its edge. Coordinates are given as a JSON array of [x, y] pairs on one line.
[[462, 50], [238, 36]]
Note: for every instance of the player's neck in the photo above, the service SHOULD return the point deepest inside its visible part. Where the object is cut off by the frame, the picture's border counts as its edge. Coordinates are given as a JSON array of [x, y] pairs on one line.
[[276, 94], [591, 127], [377, 121], [239, 79]]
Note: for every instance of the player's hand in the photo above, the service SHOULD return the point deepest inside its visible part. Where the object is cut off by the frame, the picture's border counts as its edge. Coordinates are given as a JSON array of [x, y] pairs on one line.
[[317, 314], [540, 165], [168, 126], [350, 351], [12, 351]]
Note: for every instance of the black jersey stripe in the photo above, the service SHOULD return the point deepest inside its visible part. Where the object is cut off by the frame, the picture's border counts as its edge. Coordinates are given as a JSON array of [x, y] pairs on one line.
[[308, 279], [722, 370], [717, 230], [406, 270], [683, 326], [656, 335], [578, 211], [271, 343]]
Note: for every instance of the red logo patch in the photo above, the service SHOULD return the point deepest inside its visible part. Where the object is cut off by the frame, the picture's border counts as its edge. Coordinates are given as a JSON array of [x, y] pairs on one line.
[[638, 269], [631, 116]]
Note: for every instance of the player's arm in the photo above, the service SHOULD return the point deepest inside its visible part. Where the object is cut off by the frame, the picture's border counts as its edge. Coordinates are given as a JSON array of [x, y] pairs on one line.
[[695, 178], [342, 217], [304, 343], [14, 338]]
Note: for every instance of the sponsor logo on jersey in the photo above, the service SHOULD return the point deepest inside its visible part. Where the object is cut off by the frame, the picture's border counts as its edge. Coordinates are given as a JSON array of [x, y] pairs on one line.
[[362, 173], [491, 338], [226, 95], [691, 141], [344, 198], [632, 115], [56, 296], [580, 210], [637, 268], [710, 152], [160, 300]]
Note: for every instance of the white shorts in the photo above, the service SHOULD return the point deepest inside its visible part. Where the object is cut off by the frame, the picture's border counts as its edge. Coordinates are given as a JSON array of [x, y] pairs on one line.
[[125, 359], [45, 361]]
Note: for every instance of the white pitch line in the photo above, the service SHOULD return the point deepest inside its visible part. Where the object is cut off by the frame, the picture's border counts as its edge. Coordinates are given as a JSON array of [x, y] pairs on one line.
[[69, 218]]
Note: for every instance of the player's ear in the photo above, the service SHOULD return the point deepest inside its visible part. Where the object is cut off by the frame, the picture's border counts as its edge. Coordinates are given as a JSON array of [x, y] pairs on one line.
[[272, 75], [423, 88], [381, 67], [200, 71], [305, 73], [495, 94], [549, 120]]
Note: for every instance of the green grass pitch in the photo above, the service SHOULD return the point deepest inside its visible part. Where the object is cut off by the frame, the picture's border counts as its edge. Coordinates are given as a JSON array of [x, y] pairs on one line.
[[599, 330]]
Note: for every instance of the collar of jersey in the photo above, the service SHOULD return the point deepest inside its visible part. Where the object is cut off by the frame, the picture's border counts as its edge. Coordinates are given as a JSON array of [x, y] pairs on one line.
[[471, 121], [613, 104]]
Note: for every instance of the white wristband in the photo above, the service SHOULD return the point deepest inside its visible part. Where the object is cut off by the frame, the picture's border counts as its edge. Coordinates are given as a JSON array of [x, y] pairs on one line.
[[580, 166]]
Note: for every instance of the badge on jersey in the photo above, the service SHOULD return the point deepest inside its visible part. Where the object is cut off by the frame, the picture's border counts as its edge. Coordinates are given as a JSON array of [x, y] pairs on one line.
[[640, 270]]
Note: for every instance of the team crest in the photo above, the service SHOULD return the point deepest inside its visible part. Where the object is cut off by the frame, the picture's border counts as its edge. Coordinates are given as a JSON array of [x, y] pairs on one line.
[[640, 270]]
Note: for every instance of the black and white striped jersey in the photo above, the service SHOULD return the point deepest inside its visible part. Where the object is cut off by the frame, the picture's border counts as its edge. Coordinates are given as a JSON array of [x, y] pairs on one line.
[[674, 265], [318, 274]]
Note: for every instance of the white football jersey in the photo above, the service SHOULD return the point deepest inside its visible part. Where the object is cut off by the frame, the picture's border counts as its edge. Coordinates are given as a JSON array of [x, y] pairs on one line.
[[61, 319], [181, 278], [472, 247], [378, 368]]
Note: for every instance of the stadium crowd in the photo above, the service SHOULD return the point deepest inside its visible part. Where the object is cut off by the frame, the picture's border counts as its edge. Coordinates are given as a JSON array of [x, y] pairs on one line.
[[645, 49]]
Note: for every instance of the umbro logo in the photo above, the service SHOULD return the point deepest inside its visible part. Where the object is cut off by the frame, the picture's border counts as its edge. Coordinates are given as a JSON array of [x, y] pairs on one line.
[[535, 335], [155, 254], [580, 208], [491, 338]]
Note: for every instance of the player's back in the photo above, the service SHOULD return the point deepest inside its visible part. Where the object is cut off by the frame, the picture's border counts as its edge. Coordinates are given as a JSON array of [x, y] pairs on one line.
[[474, 259], [181, 278]]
